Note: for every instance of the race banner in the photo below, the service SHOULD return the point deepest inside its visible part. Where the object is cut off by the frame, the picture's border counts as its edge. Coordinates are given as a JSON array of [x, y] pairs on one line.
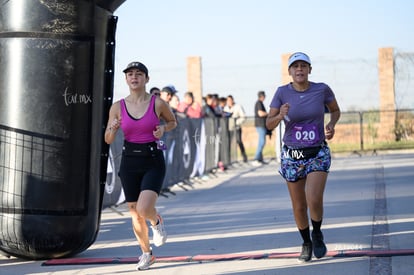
[[194, 148]]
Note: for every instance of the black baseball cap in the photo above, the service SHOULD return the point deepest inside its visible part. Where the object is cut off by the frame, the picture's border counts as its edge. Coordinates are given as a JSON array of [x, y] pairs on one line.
[[136, 65]]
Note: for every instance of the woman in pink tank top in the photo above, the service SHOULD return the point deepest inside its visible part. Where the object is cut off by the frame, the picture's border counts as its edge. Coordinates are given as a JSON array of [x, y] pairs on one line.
[[142, 167]]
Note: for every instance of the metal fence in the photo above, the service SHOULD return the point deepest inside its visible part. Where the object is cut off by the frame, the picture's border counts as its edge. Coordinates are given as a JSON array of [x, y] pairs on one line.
[[374, 130]]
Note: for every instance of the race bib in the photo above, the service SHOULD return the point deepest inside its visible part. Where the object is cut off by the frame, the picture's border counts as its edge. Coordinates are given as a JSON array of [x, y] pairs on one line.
[[305, 134]]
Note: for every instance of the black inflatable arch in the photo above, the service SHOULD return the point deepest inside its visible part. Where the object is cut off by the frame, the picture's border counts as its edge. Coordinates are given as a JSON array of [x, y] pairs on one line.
[[56, 86]]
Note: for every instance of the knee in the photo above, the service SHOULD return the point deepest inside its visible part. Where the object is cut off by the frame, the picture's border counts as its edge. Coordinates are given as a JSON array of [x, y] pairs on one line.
[[315, 203], [143, 212], [139, 213], [300, 208], [133, 210]]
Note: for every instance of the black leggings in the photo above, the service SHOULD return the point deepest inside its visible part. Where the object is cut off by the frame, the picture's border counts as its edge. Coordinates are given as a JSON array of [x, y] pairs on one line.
[[139, 173]]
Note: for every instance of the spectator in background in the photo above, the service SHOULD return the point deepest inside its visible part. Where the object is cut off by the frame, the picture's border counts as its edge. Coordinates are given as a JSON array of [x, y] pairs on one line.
[[209, 109], [174, 103], [260, 116], [237, 117], [215, 104], [155, 91], [189, 107], [167, 92], [222, 102]]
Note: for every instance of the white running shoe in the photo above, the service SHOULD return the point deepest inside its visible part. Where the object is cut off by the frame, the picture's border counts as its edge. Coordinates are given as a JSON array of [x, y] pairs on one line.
[[256, 163], [145, 261], [159, 235]]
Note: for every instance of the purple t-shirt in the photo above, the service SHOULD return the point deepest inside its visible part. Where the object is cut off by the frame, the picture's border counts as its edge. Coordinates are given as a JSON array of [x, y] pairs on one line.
[[306, 113]]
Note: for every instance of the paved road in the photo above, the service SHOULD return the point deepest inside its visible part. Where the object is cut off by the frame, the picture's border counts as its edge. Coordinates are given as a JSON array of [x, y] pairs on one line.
[[241, 222]]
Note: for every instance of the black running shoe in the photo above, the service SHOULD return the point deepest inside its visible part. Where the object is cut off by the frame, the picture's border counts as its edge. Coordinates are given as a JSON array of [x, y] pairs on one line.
[[306, 254], [319, 247]]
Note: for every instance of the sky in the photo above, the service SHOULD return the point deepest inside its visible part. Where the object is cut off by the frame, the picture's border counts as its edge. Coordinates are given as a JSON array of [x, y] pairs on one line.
[[241, 42]]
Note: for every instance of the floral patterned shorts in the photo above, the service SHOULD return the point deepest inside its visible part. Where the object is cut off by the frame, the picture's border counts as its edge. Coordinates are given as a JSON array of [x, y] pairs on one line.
[[293, 170]]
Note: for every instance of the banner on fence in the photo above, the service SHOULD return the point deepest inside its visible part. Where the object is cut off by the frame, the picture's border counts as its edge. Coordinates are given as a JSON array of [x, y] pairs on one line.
[[195, 147]]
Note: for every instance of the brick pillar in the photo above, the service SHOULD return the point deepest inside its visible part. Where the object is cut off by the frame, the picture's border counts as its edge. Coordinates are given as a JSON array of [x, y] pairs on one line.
[[286, 78], [387, 94], [194, 83]]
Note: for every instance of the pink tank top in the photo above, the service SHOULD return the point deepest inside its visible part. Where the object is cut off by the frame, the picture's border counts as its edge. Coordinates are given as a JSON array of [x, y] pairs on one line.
[[139, 130]]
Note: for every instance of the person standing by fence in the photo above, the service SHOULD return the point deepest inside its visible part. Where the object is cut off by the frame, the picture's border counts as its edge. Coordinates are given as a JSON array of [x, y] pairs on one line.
[[236, 119], [305, 158], [260, 115], [142, 168]]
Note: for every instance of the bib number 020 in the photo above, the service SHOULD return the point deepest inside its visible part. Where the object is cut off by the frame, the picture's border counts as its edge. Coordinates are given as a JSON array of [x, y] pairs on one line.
[[305, 135]]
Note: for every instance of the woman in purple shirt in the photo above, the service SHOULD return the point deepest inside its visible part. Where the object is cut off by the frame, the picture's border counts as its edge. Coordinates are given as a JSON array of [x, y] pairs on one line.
[[306, 158]]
